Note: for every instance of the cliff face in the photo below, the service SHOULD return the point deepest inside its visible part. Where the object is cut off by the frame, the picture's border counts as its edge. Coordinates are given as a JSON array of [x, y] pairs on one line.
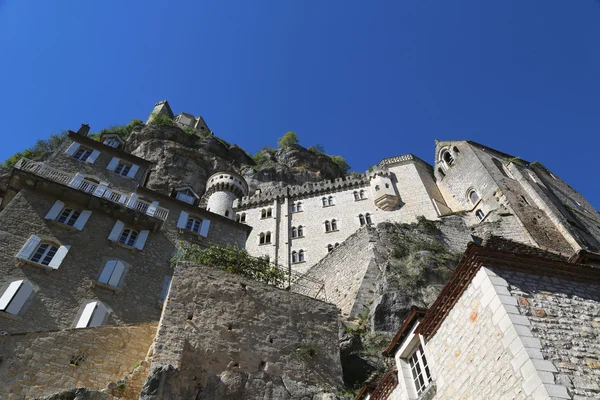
[[182, 159]]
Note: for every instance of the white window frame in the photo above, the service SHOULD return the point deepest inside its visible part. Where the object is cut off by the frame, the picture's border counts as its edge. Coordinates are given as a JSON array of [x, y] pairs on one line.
[[31, 247], [16, 296], [193, 224], [117, 232], [411, 344]]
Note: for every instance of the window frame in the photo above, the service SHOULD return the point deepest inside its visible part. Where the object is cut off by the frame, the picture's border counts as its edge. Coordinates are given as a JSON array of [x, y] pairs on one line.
[[128, 236], [126, 167], [44, 254], [195, 223], [87, 152]]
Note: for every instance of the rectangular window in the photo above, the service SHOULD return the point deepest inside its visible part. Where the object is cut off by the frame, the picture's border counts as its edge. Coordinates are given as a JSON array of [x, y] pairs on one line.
[[128, 237], [419, 370], [93, 314], [82, 154], [44, 254], [112, 273], [15, 296], [68, 216], [123, 169]]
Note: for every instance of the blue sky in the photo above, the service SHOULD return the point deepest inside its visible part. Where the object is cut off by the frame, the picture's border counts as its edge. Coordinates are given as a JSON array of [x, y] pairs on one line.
[[367, 80]]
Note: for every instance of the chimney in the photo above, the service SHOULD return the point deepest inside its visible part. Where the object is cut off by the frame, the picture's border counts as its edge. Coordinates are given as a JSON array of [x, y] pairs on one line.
[[84, 130]]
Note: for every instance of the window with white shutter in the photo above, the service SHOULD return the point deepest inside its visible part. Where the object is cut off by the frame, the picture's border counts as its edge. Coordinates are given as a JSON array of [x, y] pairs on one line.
[[43, 253], [113, 273], [93, 314], [68, 216], [15, 296], [128, 236]]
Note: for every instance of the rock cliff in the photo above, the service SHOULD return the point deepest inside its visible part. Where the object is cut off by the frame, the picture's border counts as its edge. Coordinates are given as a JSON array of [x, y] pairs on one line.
[[184, 159]]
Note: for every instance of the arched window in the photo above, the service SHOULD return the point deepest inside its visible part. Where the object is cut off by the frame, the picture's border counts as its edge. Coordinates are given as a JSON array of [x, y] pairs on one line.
[[333, 225], [362, 194], [301, 256], [361, 219], [324, 200], [300, 231], [243, 217], [263, 213], [327, 226], [261, 238], [455, 149], [44, 253], [329, 248], [294, 257], [294, 209], [356, 196], [368, 218], [299, 206], [336, 245], [268, 237], [473, 197], [447, 158], [193, 225], [480, 215], [502, 168], [269, 213], [128, 236], [330, 201], [227, 213], [238, 218], [294, 232]]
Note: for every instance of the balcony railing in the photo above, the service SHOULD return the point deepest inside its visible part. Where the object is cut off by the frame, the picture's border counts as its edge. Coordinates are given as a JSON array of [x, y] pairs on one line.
[[78, 181]]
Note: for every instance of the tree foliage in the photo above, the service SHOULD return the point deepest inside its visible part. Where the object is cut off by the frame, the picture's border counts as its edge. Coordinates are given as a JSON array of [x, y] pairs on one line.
[[235, 260], [161, 119], [317, 148], [124, 131], [287, 140], [341, 162], [41, 148]]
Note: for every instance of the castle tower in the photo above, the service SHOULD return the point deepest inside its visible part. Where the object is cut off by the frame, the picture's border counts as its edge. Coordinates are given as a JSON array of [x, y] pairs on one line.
[[162, 107], [222, 189], [384, 194]]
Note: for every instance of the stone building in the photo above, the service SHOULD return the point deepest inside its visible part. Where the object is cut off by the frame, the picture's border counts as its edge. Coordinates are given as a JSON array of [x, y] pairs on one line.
[[514, 322]]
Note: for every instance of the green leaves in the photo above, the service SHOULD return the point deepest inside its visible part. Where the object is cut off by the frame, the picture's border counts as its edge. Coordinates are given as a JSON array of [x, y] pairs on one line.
[[289, 139]]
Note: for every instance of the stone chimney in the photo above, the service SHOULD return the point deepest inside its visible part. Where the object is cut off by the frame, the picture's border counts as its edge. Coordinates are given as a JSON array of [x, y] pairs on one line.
[[84, 130]]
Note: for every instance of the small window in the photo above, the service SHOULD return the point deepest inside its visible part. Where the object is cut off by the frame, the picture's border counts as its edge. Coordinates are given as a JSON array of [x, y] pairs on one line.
[[123, 168], [336, 245], [300, 231], [480, 215], [294, 232], [441, 172], [227, 213], [294, 207], [112, 273], [299, 206], [193, 225], [82, 153], [387, 185], [361, 219], [301, 256], [330, 201], [243, 217], [419, 370], [94, 314], [377, 187], [324, 200], [356, 196], [128, 236], [44, 254], [362, 194], [111, 142], [68, 216], [264, 238], [294, 257], [368, 219], [333, 225], [473, 197], [269, 213], [15, 296], [327, 226], [447, 158], [329, 248]]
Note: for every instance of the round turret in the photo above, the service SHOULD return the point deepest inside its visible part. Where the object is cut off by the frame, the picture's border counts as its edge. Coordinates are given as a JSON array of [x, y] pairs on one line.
[[384, 194], [222, 189]]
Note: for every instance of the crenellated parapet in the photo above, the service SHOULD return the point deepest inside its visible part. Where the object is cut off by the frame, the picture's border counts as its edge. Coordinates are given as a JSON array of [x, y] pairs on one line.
[[222, 189], [308, 189]]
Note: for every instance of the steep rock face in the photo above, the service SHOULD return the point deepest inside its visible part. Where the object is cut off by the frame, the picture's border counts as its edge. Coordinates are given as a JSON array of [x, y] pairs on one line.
[[182, 159]]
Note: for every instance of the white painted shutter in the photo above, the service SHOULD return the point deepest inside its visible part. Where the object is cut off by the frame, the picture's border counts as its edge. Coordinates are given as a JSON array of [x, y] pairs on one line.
[[117, 274], [20, 298], [76, 181], [93, 156], [182, 222], [99, 315], [132, 199], [72, 148], [82, 219], [59, 257], [204, 227], [122, 199], [116, 231], [112, 165], [141, 240], [100, 189], [86, 314], [56, 208], [29, 247], [109, 267], [132, 171], [8, 294], [152, 208]]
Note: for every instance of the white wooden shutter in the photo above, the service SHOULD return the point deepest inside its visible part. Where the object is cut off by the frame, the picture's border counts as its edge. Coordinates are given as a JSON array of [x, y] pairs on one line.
[[9, 293], [115, 278], [82, 219], [98, 315], [56, 208], [132, 200], [86, 314], [109, 267], [100, 189], [116, 231], [93, 156], [112, 165], [152, 208], [29, 247], [141, 240], [76, 181], [122, 199], [72, 148], [182, 222], [204, 227], [20, 298], [59, 257], [132, 171]]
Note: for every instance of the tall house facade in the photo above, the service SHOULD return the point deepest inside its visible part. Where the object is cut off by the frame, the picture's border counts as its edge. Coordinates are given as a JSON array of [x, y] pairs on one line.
[[84, 243]]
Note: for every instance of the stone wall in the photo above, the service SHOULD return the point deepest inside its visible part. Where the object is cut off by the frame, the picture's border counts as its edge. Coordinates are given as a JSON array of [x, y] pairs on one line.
[[42, 363], [565, 317], [225, 336]]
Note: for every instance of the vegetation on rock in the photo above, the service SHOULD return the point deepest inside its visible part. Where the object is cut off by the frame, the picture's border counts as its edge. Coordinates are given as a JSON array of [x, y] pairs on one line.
[[122, 130], [40, 150], [287, 140], [235, 260]]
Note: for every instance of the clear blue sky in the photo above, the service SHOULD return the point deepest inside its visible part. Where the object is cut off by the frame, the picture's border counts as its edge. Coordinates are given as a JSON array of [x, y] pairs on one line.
[[366, 79]]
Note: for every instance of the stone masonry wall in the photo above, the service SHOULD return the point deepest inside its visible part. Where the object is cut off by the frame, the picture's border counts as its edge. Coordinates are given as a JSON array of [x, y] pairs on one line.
[[42, 363], [225, 336], [565, 317]]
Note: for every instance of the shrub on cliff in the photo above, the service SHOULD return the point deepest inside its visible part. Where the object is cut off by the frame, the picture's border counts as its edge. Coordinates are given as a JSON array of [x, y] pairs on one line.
[[122, 130], [341, 162], [287, 140], [235, 260]]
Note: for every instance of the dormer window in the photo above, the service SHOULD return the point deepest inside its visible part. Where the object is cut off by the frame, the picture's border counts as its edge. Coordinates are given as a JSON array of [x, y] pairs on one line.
[[419, 370], [112, 142], [186, 194]]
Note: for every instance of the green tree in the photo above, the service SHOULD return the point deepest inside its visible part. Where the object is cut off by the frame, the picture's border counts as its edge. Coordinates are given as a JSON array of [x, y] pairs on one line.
[[287, 140], [317, 148], [341, 162]]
